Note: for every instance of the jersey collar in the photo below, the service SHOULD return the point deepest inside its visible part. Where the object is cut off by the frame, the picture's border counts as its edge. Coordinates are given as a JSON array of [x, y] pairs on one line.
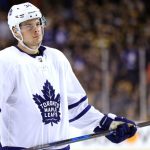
[[40, 53]]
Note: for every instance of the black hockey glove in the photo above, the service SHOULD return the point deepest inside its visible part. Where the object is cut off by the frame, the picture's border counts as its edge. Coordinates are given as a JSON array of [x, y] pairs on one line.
[[0, 146], [124, 128]]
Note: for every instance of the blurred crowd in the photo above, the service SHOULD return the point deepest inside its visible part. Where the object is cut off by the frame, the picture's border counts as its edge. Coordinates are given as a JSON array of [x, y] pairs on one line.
[[100, 38]]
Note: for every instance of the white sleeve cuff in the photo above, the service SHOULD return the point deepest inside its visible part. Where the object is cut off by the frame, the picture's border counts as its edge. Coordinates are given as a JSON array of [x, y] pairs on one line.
[[112, 116]]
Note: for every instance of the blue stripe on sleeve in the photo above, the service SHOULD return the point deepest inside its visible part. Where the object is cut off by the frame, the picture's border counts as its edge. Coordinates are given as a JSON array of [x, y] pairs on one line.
[[81, 114], [77, 103]]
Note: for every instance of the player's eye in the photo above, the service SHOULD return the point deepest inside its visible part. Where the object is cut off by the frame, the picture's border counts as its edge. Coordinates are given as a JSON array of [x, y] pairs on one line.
[[30, 26]]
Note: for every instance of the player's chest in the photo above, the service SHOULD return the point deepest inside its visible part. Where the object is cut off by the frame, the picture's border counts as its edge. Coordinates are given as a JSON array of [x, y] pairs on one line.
[[41, 67]]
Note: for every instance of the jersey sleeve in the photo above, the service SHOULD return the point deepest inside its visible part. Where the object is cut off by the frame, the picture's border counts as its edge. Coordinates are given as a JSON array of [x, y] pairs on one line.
[[81, 114], [6, 81]]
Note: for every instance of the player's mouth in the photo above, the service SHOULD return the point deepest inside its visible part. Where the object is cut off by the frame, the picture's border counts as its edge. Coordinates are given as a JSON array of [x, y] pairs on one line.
[[36, 37]]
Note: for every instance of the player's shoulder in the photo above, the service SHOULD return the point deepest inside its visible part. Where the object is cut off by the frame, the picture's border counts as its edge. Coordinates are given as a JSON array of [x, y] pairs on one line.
[[8, 52], [54, 51], [8, 57], [55, 54]]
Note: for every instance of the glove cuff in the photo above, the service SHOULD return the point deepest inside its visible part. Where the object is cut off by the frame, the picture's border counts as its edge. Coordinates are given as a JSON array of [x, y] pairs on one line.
[[105, 122]]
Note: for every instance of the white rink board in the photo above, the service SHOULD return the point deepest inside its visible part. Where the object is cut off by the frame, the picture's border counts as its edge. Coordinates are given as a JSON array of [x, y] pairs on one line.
[[140, 142]]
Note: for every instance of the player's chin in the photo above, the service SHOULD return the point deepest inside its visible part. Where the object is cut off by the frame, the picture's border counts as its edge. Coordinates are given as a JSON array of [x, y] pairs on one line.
[[37, 41]]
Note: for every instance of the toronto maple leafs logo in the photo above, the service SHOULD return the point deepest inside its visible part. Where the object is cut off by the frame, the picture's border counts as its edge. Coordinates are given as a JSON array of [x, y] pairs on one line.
[[49, 104]]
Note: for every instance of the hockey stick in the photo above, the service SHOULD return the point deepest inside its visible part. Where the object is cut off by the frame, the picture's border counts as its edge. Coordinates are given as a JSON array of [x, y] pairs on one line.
[[82, 138]]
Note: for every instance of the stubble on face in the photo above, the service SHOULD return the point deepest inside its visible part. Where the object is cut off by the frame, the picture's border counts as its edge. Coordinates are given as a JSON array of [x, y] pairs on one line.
[[32, 38]]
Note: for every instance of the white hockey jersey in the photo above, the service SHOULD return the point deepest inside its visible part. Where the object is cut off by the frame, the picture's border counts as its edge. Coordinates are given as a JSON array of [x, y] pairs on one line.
[[39, 98]]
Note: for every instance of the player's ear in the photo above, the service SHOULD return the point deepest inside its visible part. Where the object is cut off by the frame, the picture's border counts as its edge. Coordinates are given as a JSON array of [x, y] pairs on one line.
[[16, 32]]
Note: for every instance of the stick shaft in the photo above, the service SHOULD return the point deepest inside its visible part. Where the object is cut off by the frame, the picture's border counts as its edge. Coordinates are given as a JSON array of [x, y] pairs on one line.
[[143, 124], [82, 138]]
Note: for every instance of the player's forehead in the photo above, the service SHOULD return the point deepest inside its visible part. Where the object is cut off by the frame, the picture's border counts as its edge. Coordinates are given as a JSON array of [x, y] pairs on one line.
[[32, 21]]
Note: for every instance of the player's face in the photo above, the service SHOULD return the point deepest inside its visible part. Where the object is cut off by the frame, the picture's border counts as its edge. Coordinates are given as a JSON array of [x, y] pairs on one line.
[[32, 32]]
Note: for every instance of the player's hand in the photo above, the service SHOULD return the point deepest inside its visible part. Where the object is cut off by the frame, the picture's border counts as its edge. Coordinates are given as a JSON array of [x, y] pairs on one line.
[[124, 128]]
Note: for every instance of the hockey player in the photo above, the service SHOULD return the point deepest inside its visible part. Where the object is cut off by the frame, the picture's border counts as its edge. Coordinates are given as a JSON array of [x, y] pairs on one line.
[[40, 96]]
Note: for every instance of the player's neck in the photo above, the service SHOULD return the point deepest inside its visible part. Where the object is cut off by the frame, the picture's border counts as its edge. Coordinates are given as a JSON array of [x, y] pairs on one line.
[[24, 49]]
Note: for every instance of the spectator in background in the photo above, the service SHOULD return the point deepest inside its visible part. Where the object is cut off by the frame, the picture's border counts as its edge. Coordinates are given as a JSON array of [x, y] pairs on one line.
[[5, 35], [4, 5], [128, 67]]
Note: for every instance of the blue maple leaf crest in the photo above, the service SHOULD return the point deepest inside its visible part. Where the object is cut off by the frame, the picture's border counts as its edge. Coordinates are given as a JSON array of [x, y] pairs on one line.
[[49, 105]]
